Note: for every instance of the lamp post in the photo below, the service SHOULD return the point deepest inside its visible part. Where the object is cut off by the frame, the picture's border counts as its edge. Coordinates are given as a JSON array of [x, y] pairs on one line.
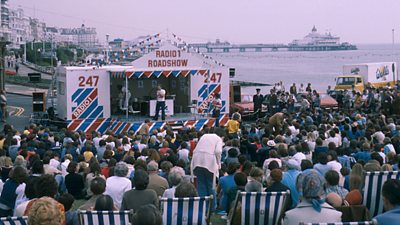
[[393, 66], [24, 59], [3, 44], [107, 48]]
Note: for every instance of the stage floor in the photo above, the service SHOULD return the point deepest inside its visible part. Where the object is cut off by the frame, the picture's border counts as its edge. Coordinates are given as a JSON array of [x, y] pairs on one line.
[[136, 117]]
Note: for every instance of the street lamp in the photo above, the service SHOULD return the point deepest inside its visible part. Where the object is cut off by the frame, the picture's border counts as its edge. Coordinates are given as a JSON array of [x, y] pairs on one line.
[[107, 48], [3, 44]]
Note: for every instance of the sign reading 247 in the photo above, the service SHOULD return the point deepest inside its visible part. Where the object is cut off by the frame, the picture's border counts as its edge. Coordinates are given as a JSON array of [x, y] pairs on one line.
[[86, 99]]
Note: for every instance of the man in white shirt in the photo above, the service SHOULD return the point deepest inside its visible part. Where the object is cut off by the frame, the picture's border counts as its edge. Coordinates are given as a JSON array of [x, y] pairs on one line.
[[96, 139], [160, 103], [206, 162]]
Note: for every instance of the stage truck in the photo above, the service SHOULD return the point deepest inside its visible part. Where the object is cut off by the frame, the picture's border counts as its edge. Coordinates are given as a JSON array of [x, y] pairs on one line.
[[120, 98]]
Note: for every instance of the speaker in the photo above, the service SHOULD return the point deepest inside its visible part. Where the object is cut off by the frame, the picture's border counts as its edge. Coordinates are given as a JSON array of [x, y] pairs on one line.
[[231, 72], [35, 77], [237, 95], [144, 106], [38, 102]]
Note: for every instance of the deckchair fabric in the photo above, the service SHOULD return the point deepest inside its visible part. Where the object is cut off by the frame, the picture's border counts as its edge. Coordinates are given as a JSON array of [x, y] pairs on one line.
[[343, 223], [186, 211], [104, 217], [262, 208], [17, 220], [373, 183]]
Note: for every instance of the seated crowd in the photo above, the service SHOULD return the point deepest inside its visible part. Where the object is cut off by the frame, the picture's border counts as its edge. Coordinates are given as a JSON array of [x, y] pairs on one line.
[[318, 155]]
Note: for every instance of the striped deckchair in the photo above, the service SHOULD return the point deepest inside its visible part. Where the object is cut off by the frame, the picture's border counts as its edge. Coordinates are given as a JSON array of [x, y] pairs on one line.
[[260, 208], [344, 223], [373, 182], [104, 217], [182, 211], [17, 220]]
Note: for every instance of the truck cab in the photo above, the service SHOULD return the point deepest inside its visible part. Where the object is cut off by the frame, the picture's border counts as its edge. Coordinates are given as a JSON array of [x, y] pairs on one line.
[[348, 81]]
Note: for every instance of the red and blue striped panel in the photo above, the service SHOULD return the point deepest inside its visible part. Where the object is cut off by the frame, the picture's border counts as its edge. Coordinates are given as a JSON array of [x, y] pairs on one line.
[[118, 126]]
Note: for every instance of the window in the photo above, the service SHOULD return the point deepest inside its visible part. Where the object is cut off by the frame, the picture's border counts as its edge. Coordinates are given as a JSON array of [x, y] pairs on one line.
[[359, 80], [345, 81], [140, 84], [154, 83]]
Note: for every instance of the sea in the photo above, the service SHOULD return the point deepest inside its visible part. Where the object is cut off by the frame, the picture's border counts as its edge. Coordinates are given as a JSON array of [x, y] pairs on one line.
[[318, 68]]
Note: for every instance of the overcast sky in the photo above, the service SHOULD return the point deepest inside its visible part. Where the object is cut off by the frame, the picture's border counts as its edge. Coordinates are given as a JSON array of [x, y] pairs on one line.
[[238, 21]]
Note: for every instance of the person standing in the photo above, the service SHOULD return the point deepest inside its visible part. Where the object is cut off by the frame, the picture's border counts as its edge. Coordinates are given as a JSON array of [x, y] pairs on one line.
[[293, 89], [160, 103], [16, 67], [301, 89], [257, 100], [308, 88], [216, 105], [3, 105], [206, 162]]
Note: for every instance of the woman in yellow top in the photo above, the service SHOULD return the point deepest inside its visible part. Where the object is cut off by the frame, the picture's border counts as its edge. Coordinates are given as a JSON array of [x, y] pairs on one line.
[[234, 126], [358, 101]]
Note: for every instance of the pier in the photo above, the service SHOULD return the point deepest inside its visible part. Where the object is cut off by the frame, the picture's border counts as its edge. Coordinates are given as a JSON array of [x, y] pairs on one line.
[[226, 47]]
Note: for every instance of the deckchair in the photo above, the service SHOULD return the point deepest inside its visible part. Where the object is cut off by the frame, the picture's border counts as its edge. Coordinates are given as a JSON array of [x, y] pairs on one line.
[[260, 208], [104, 217], [182, 211], [17, 220], [344, 223], [373, 183]]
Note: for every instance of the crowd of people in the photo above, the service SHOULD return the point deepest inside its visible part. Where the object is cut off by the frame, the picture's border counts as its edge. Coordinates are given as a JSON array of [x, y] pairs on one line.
[[318, 155]]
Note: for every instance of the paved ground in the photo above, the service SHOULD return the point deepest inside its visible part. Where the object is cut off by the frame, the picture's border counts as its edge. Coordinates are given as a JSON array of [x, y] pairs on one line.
[[20, 109], [22, 90], [24, 70]]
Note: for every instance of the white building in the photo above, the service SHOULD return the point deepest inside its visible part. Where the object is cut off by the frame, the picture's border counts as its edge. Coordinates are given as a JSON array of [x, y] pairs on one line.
[[20, 28], [38, 29], [4, 14], [85, 37]]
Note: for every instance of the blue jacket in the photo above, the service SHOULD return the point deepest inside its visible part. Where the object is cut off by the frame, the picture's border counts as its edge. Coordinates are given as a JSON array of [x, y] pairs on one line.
[[8, 195], [389, 217], [289, 179]]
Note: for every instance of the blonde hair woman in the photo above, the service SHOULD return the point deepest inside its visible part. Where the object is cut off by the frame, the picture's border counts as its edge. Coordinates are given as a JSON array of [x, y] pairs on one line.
[[46, 211]]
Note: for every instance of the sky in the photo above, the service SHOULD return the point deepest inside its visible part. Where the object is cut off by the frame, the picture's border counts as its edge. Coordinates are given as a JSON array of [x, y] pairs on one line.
[[236, 21]]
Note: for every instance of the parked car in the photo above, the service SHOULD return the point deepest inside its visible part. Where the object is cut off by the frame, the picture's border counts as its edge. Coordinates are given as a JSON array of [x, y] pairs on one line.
[[328, 101], [246, 105]]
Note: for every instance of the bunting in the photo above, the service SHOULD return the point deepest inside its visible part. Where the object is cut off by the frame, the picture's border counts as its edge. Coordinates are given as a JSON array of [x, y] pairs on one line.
[[186, 47], [134, 50]]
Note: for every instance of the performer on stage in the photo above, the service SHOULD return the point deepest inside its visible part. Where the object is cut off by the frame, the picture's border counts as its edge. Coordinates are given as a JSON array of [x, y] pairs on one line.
[[160, 103], [217, 104], [124, 100]]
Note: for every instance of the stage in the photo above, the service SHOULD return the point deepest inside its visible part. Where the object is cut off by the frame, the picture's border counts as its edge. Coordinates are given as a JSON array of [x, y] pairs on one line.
[[136, 117]]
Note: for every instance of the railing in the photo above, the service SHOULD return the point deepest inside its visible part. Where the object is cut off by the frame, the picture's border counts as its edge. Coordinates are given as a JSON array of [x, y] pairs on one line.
[[44, 69]]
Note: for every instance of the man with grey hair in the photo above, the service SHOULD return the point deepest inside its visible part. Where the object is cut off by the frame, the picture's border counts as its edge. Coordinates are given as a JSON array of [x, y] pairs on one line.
[[118, 184], [156, 182], [253, 186], [174, 179]]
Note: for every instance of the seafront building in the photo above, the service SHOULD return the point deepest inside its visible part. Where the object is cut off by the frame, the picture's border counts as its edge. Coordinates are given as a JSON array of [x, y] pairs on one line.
[[18, 28], [4, 18]]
